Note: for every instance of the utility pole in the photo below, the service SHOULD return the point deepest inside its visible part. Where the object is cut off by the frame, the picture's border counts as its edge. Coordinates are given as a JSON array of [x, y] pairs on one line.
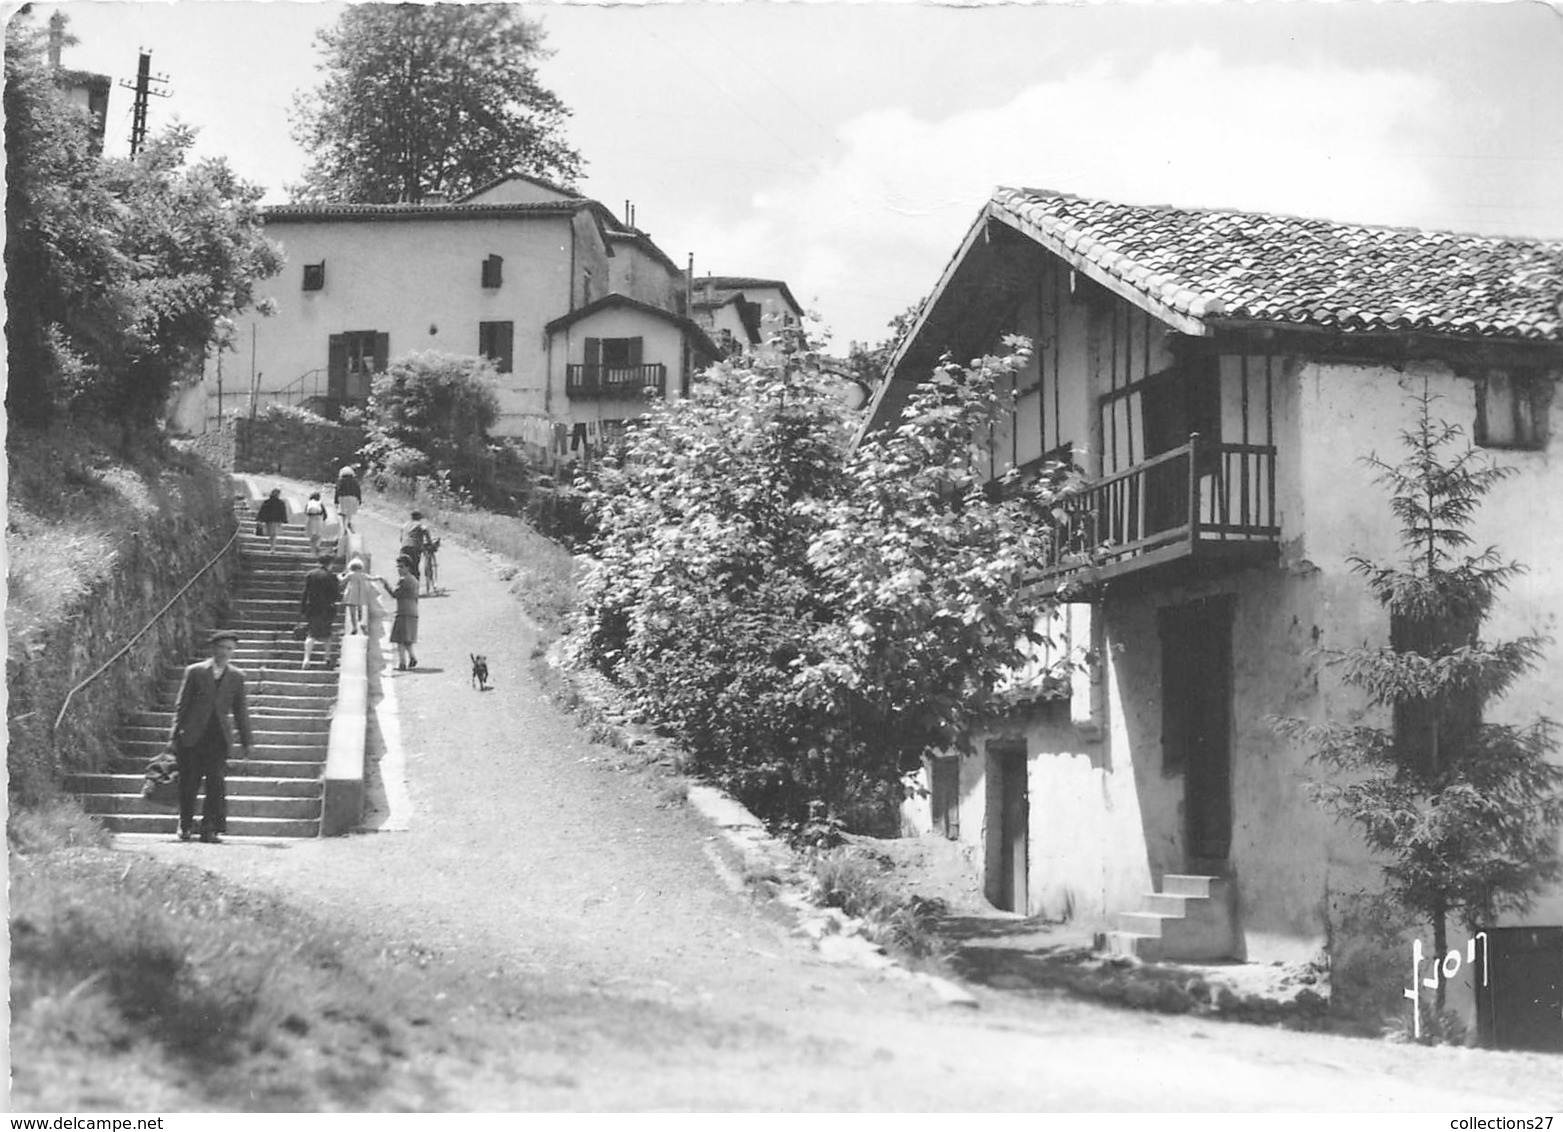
[[143, 90]]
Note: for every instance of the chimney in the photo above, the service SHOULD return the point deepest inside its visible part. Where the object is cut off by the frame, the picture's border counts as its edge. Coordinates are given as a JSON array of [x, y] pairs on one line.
[[56, 38]]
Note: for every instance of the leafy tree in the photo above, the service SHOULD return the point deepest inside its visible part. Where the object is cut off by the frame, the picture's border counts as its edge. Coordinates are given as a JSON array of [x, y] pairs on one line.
[[870, 363], [195, 234], [429, 414], [810, 620], [429, 98], [120, 274], [927, 561], [1465, 812], [65, 273]]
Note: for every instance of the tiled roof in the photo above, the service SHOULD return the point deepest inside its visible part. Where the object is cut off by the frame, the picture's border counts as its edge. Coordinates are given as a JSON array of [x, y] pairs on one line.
[[1212, 265], [723, 287], [543, 182], [310, 213], [615, 300]]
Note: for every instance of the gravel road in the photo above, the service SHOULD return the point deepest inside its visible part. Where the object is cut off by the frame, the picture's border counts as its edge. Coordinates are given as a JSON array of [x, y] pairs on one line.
[[530, 863]]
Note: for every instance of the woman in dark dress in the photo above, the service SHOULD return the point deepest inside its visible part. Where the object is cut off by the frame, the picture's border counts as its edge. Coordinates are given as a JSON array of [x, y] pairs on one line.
[[404, 630], [319, 607], [273, 513]]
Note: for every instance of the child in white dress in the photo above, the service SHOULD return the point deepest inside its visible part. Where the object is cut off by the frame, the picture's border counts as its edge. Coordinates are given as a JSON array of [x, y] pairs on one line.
[[314, 522], [357, 593]]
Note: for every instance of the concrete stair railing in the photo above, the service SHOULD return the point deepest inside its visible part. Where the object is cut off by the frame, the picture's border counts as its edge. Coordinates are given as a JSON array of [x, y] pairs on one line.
[[1191, 920], [300, 719]]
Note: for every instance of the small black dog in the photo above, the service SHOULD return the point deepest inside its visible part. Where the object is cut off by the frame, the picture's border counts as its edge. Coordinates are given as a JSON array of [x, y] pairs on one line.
[[479, 671]]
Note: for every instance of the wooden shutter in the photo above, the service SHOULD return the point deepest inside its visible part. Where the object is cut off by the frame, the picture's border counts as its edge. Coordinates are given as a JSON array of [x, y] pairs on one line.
[[594, 351], [636, 345], [382, 351], [336, 366], [504, 343]]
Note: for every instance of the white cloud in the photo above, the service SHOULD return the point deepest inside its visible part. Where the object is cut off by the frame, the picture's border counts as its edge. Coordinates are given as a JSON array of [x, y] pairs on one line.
[[869, 232]]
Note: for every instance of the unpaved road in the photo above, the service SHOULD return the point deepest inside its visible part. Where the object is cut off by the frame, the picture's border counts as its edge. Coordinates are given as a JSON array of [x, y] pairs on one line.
[[530, 863]]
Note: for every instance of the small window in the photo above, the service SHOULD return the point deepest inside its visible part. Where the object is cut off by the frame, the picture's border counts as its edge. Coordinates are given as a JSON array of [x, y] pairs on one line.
[[586, 288], [1511, 409], [492, 268], [496, 342], [315, 276]]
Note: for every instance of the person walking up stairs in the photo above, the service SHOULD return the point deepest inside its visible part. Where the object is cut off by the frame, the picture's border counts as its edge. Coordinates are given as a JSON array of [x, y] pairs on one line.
[[277, 790]]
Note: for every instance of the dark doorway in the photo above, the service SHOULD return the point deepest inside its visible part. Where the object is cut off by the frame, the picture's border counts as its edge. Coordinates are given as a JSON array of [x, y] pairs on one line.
[[352, 359], [1009, 809], [1196, 735], [1175, 404], [945, 787], [1521, 1007]]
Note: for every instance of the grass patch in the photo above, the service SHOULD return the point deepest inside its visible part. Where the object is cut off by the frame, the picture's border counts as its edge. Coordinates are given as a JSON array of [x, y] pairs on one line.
[[544, 578], [855, 882], [145, 969]]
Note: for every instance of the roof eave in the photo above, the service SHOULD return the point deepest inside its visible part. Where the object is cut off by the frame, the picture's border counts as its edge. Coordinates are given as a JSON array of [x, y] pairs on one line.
[[1094, 271]]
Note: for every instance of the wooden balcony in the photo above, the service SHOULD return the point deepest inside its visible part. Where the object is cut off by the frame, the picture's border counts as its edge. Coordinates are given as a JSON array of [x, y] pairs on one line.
[[597, 382], [1185, 511]]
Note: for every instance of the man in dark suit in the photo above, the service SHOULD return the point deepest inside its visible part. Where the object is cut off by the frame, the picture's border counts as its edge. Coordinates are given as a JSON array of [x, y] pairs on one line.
[[211, 704]]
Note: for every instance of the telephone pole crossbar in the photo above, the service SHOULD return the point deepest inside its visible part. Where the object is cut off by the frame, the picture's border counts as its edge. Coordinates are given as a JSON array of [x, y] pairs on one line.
[[143, 90]]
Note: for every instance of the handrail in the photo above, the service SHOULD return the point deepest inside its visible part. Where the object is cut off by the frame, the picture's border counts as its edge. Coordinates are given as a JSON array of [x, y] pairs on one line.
[[238, 529], [298, 382]]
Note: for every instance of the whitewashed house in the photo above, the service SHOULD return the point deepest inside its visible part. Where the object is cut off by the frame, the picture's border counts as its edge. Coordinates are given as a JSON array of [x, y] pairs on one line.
[[1219, 377], [502, 273]]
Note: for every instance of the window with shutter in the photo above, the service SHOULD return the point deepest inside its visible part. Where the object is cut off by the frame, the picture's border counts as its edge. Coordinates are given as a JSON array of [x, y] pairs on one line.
[[493, 271], [1511, 409], [315, 276]]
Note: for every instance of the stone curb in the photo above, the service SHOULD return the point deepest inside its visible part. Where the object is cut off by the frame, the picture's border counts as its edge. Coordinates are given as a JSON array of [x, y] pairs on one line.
[[343, 803]]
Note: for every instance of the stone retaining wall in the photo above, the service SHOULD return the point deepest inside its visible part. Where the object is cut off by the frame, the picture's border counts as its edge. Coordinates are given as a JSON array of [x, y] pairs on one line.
[[287, 442], [155, 555]]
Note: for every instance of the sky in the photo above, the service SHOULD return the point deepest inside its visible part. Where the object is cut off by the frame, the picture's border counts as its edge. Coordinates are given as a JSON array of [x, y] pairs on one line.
[[847, 148]]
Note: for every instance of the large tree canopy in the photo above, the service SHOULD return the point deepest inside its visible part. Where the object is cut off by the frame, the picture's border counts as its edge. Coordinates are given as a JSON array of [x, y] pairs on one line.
[[420, 99]]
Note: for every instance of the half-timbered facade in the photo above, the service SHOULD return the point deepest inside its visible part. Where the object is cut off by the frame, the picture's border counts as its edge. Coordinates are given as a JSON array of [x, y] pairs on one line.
[[1218, 377]]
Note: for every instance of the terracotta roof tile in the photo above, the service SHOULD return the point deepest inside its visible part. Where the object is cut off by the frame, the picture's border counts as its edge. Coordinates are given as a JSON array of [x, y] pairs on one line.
[[1211, 264]]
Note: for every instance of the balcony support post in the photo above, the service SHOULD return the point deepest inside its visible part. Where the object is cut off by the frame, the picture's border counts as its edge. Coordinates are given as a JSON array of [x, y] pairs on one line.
[[1193, 511]]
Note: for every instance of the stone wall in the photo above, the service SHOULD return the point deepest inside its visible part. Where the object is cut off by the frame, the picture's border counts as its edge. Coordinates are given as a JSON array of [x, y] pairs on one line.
[[156, 553], [288, 442]]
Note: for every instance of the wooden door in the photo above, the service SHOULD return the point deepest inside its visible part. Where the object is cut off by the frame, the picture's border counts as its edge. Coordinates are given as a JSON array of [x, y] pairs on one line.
[[945, 789], [1196, 688], [1008, 826]]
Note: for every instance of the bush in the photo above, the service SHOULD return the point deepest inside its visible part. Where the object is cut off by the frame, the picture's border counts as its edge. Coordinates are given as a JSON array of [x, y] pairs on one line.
[[429, 414]]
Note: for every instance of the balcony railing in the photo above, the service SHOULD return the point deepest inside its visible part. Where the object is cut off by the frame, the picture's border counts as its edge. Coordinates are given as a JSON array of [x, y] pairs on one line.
[[613, 381], [1195, 501]]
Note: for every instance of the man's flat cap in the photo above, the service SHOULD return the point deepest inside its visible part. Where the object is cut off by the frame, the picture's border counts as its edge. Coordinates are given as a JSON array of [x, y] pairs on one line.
[[223, 635]]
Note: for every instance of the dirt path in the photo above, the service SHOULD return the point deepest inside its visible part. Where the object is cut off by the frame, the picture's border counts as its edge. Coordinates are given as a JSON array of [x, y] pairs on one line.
[[579, 893]]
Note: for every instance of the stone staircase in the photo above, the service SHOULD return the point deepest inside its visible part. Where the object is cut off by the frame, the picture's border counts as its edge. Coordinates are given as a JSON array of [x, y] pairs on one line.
[[1191, 920], [278, 792]]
